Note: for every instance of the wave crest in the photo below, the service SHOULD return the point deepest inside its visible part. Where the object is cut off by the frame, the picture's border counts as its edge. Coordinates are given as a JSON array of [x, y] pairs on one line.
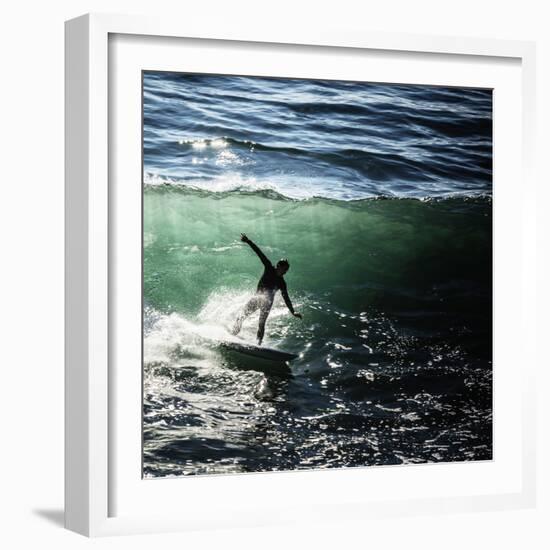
[[234, 184]]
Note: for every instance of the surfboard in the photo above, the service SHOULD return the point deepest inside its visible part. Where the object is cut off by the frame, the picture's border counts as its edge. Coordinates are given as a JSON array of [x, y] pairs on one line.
[[269, 354]]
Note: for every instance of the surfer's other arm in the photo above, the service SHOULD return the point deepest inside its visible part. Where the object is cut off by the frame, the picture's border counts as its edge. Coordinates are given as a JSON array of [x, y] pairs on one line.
[[288, 303], [256, 249]]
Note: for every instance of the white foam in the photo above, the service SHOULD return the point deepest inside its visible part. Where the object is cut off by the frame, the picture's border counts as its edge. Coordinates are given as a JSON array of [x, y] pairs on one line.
[[174, 335]]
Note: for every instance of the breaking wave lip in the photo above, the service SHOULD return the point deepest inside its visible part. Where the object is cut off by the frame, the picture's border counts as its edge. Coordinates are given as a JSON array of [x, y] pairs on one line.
[[225, 185]]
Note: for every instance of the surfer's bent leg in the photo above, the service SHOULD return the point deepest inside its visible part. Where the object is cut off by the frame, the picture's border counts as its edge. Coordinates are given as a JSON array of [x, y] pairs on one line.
[[265, 308], [251, 306]]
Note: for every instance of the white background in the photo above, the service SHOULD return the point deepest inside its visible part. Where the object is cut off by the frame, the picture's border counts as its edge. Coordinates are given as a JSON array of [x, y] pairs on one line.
[[31, 230]]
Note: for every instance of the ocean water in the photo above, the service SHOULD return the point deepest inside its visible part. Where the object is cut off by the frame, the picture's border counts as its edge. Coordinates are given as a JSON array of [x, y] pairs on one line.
[[380, 196]]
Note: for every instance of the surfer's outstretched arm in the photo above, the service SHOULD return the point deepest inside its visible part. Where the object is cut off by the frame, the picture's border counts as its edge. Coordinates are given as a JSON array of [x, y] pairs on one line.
[[288, 303], [256, 249]]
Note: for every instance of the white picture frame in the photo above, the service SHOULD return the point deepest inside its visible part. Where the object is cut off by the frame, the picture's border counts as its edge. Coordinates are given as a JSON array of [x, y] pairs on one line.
[[94, 426]]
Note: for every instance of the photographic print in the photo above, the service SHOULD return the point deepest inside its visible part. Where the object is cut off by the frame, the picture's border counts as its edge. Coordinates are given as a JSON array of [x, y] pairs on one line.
[[317, 274]]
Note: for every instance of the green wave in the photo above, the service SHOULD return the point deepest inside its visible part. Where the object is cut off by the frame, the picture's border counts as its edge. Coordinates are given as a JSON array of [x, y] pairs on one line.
[[394, 255]]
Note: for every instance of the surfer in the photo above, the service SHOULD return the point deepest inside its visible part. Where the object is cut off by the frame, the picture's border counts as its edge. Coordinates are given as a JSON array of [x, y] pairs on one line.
[[271, 281]]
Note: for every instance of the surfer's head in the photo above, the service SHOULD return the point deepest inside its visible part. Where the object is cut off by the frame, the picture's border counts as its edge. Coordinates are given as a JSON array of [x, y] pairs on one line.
[[282, 266]]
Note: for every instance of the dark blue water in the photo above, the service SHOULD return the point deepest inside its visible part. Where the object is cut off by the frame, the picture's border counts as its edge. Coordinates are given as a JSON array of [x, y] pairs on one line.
[[305, 138], [380, 196]]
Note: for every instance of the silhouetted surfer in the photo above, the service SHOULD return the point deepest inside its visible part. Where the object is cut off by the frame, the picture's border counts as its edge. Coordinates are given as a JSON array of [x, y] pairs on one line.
[[271, 281]]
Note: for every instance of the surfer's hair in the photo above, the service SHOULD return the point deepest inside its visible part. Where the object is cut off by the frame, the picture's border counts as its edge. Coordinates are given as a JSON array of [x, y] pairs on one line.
[[283, 262]]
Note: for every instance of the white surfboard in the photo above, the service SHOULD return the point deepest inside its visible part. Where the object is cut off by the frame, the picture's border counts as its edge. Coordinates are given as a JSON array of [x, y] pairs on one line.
[[269, 354]]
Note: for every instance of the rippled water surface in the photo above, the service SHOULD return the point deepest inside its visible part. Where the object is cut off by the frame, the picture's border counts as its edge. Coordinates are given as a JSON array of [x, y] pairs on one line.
[[380, 196]]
